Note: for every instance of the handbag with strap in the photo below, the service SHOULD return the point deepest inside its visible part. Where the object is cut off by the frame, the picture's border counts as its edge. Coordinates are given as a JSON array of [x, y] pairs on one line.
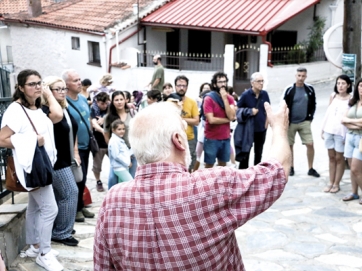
[[12, 182], [42, 173], [92, 140], [75, 167]]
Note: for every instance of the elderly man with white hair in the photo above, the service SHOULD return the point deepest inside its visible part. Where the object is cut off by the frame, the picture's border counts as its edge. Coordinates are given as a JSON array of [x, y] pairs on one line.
[[252, 122], [170, 219]]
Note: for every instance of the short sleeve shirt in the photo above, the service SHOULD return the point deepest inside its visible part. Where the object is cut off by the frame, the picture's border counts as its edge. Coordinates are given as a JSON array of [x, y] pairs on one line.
[[159, 74], [189, 110], [83, 128], [300, 105], [216, 131]]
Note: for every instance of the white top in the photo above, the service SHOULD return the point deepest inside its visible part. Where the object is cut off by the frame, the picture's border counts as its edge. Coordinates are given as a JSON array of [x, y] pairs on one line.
[[24, 140], [332, 119]]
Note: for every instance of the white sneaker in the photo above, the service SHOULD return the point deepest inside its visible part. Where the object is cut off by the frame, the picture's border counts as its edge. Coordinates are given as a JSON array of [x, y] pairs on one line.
[[33, 252], [49, 262]]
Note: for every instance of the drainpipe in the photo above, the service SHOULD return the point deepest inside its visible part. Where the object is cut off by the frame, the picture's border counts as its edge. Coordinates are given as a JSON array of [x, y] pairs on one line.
[[269, 51], [116, 45]]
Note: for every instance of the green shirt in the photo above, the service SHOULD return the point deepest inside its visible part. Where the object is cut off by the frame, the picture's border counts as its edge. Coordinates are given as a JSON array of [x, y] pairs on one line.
[[158, 74], [354, 114]]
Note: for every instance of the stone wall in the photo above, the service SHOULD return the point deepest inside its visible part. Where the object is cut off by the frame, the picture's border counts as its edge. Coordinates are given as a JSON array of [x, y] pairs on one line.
[[12, 230]]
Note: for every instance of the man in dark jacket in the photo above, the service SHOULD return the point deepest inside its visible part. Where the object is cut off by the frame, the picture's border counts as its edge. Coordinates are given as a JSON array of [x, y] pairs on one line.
[[252, 122], [301, 101]]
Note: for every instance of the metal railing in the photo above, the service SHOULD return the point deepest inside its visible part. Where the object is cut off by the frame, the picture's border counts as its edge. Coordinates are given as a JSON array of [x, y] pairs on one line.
[[183, 61], [295, 55], [4, 103], [5, 90]]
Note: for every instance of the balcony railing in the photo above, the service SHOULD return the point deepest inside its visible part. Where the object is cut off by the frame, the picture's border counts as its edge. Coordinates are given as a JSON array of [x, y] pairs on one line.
[[184, 61], [4, 103], [295, 55]]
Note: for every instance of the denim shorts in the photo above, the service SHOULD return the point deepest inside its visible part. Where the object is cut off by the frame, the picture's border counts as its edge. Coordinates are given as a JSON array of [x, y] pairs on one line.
[[335, 142], [351, 147], [219, 149]]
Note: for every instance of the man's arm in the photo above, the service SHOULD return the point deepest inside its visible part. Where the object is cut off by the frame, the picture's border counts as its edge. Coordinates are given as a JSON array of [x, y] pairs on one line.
[[96, 126], [102, 259], [155, 83], [279, 123], [194, 120], [229, 109]]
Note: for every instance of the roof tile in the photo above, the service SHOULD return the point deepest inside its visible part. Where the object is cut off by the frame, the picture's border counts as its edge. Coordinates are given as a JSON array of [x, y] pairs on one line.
[[88, 15]]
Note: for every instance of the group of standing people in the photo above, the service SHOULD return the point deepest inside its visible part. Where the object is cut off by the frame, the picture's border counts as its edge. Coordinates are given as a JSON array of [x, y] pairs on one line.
[[64, 119], [52, 113], [342, 133]]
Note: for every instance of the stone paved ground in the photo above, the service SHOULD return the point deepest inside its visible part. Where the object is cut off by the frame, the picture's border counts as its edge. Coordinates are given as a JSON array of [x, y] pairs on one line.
[[305, 229]]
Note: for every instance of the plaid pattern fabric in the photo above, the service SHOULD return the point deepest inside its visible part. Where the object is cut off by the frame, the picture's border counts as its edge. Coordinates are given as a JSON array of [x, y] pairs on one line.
[[169, 219]]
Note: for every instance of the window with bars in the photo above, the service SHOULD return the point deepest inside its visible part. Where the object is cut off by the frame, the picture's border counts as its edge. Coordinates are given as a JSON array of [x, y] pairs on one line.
[[94, 53]]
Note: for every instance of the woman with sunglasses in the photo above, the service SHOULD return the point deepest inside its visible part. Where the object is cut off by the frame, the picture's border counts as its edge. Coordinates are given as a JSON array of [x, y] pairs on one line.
[[64, 184]]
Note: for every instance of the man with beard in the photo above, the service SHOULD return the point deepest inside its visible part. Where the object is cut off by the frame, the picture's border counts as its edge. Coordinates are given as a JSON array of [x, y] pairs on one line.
[[170, 219], [219, 110], [252, 123], [158, 77], [189, 113]]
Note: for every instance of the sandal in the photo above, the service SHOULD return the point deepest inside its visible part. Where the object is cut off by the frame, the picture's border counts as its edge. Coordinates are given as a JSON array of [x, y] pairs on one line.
[[335, 189], [327, 188], [350, 197]]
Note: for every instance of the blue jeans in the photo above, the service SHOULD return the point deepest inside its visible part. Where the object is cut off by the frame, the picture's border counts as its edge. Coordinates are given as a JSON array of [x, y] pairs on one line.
[[113, 179], [219, 149]]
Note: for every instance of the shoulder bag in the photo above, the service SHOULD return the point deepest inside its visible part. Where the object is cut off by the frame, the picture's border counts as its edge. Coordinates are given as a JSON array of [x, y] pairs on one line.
[[75, 167], [92, 140], [42, 173]]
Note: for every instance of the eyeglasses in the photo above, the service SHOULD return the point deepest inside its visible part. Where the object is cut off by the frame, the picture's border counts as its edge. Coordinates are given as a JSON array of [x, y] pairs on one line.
[[181, 86], [222, 82], [34, 84], [259, 81], [59, 90]]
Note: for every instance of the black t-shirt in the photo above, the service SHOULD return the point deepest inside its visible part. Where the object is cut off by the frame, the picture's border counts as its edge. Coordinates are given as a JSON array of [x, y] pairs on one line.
[[99, 136], [61, 138]]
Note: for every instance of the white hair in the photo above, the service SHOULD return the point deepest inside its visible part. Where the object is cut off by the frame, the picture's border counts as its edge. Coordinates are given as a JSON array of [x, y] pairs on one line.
[[255, 75], [65, 74], [151, 130]]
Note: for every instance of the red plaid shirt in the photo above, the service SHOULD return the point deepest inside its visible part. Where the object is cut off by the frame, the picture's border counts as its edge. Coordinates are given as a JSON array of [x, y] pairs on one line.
[[169, 219]]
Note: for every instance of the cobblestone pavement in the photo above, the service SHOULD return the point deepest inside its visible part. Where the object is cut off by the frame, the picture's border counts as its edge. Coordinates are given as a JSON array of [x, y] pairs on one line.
[[306, 229]]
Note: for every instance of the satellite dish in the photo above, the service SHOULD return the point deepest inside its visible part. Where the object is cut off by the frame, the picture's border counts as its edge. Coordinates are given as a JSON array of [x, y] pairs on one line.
[[332, 44]]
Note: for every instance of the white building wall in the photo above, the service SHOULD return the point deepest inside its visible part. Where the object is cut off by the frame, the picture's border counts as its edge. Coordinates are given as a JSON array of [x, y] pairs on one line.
[[300, 23], [156, 40], [49, 51]]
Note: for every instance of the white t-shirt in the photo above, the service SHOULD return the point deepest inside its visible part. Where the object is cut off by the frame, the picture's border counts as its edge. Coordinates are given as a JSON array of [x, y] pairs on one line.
[[24, 140]]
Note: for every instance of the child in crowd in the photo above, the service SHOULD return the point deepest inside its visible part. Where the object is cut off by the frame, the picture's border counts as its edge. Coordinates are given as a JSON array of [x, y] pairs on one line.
[[118, 152]]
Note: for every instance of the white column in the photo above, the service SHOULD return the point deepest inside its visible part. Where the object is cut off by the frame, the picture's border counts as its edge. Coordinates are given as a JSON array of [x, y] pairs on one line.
[[263, 63], [229, 63]]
